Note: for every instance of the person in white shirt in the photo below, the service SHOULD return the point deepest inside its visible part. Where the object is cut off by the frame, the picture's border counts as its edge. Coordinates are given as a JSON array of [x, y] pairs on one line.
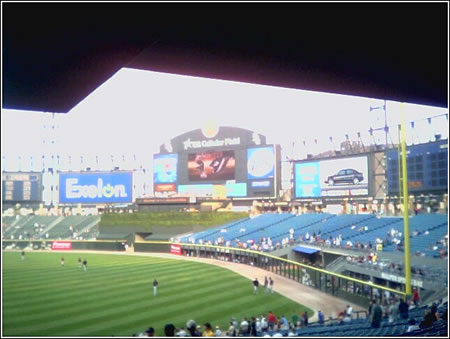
[[264, 324], [218, 332], [243, 330], [258, 326], [349, 311]]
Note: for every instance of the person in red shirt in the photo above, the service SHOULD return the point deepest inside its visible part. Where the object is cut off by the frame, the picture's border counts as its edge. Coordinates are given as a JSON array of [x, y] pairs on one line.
[[271, 320], [416, 297]]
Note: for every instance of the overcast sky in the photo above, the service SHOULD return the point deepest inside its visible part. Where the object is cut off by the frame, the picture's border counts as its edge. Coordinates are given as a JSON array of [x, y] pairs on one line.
[[135, 111]]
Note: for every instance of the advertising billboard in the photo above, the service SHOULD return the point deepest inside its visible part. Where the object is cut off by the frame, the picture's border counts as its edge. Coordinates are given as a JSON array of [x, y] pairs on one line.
[[211, 165], [22, 186], [95, 187], [218, 161], [61, 245], [336, 177], [165, 168], [427, 167], [176, 249], [260, 163]]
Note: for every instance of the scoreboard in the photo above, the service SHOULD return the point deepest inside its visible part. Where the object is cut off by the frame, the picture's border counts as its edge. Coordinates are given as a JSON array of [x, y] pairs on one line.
[[21, 186]]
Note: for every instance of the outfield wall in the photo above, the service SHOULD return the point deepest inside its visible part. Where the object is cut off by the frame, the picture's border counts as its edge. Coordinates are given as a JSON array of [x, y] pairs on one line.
[[353, 290]]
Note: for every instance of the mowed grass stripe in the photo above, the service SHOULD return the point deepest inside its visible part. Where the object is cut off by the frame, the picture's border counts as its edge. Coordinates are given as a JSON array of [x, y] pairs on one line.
[[63, 285], [73, 271], [112, 295], [113, 309], [51, 297], [68, 281], [172, 312], [125, 306], [145, 308]]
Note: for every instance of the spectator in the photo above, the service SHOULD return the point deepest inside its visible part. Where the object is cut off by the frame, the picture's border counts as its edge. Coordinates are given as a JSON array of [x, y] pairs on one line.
[[430, 317], [294, 319], [218, 332], [181, 332], [321, 317], [349, 311], [403, 309], [244, 328], [208, 332], [412, 325], [192, 329], [416, 297], [369, 310], [271, 320], [393, 311], [231, 330], [376, 315], [284, 323], [169, 330], [304, 319], [150, 332], [258, 325], [252, 331]]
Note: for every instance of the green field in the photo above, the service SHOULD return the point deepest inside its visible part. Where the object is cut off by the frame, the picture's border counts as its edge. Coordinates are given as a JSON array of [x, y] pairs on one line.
[[114, 296]]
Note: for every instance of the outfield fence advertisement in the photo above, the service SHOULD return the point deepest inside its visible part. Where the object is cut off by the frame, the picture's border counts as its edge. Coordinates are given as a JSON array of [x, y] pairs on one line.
[[176, 249], [332, 177], [62, 245], [95, 187]]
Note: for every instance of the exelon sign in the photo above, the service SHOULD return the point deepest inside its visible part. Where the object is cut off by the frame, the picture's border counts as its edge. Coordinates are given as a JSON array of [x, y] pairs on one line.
[[100, 187]]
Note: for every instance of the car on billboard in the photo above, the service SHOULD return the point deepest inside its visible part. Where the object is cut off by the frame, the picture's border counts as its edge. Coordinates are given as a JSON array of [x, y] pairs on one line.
[[345, 176]]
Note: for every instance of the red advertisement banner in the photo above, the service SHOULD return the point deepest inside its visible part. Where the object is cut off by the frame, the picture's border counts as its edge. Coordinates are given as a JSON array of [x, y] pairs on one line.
[[62, 245], [175, 249]]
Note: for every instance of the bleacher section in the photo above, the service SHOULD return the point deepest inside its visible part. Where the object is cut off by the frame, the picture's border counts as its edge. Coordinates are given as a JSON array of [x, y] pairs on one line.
[[363, 328], [280, 230], [25, 227], [62, 229], [91, 234], [239, 229], [356, 228]]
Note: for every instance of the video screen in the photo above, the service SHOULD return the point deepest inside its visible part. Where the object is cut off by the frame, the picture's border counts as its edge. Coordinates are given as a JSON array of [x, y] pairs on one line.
[[165, 168], [260, 163], [211, 166], [333, 177]]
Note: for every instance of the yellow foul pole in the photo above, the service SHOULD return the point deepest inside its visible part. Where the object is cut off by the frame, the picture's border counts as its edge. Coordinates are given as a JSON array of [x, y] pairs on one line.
[[405, 207]]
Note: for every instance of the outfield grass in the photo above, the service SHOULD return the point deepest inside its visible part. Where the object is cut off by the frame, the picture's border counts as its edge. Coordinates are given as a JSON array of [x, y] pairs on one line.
[[115, 296]]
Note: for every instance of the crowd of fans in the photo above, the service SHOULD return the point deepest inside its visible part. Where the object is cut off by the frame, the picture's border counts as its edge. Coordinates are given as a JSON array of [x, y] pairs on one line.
[[247, 326], [391, 310]]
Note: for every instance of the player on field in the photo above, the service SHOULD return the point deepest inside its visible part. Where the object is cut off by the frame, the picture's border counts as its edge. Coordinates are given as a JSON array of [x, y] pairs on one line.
[[155, 287], [62, 261], [266, 285], [79, 262], [23, 255], [271, 285], [255, 286], [85, 264]]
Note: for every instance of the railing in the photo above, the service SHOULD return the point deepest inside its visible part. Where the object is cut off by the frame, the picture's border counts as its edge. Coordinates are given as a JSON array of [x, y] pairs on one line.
[[351, 289]]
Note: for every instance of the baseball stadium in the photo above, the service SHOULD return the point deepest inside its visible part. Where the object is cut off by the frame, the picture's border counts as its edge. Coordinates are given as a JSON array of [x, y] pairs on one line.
[[224, 212]]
